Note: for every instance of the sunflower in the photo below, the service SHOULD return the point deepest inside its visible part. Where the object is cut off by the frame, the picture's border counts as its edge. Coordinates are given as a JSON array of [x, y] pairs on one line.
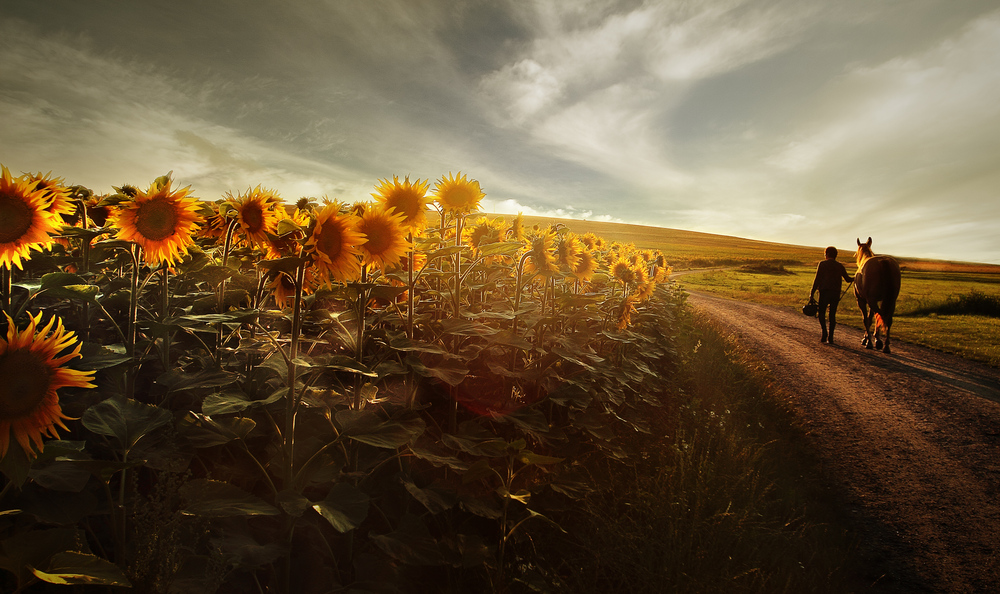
[[97, 213], [282, 287], [334, 243], [517, 227], [409, 199], [160, 220], [623, 271], [25, 224], [586, 266], [625, 313], [568, 252], [32, 371], [456, 194], [483, 231], [256, 212], [541, 258], [386, 243], [645, 290], [57, 195]]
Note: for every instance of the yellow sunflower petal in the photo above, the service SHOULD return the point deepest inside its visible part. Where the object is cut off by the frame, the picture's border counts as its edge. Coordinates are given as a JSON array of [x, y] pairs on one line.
[[457, 194], [33, 373], [407, 198], [159, 220], [25, 224]]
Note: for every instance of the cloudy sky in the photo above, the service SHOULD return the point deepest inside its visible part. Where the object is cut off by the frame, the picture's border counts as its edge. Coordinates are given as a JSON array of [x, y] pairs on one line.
[[799, 121]]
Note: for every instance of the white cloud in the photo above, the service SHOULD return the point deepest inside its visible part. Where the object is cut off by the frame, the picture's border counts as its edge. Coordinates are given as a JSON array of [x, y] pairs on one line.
[[525, 87]]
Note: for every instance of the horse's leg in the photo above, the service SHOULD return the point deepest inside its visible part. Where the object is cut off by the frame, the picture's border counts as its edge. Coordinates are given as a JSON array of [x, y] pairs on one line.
[[877, 315], [887, 314], [867, 340]]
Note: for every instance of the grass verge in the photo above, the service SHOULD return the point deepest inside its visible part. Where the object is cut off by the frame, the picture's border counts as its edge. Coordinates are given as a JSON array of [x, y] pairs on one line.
[[953, 312], [724, 497]]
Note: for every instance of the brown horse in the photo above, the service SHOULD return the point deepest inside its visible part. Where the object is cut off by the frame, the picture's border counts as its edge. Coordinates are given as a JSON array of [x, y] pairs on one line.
[[876, 286]]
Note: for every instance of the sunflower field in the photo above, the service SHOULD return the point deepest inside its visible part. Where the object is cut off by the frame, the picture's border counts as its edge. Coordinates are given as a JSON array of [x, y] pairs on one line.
[[250, 395]]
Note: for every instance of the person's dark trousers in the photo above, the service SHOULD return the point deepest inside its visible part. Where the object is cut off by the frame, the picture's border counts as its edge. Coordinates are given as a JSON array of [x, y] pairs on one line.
[[828, 299]]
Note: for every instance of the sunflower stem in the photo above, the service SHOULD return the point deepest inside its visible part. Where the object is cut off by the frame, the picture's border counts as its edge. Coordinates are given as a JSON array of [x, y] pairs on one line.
[[362, 306], [164, 308], [293, 353], [6, 275], [230, 230], [133, 315], [410, 285]]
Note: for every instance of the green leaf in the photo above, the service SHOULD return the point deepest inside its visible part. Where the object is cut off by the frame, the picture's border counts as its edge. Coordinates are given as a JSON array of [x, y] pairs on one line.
[[386, 292], [529, 457], [87, 293], [178, 380], [461, 327], [368, 427], [530, 420], [220, 403], [411, 543], [294, 504], [434, 498], [445, 251], [402, 343], [71, 567], [500, 248], [97, 357], [344, 363], [202, 431], [428, 450], [286, 226], [16, 464], [345, 507], [510, 338], [61, 475], [448, 370], [216, 499], [128, 421]]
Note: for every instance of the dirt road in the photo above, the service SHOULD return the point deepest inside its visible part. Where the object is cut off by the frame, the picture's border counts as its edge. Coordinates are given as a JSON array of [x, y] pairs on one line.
[[911, 440]]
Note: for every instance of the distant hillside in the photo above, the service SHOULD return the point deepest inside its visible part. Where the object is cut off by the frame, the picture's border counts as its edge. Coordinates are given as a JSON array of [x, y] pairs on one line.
[[691, 249]]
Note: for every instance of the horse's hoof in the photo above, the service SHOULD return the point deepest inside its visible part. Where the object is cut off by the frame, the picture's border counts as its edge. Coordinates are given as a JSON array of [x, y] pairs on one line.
[[878, 345], [886, 350]]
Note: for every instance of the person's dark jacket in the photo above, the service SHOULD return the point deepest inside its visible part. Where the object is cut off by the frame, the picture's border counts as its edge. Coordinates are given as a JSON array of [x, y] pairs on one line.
[[828, 275]]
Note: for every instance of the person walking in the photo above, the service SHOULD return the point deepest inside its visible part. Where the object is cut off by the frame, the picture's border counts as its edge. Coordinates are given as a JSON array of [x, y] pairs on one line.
[[827, 282]]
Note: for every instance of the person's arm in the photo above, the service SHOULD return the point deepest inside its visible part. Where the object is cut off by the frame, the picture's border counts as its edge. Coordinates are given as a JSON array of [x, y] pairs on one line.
[[812, 291]]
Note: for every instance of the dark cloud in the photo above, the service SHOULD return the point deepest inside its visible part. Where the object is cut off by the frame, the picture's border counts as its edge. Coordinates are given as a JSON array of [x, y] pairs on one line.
[[780, 120]]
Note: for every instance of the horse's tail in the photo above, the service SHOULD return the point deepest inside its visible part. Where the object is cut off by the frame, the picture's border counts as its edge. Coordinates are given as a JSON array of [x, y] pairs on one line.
[[879, 323]]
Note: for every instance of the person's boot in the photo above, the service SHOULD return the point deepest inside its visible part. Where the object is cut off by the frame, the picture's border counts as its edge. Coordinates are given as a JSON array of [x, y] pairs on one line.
[[829, 338], [824, 337]]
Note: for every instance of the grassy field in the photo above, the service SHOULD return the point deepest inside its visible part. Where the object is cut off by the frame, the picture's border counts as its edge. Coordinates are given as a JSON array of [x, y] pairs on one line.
[[933, 308]]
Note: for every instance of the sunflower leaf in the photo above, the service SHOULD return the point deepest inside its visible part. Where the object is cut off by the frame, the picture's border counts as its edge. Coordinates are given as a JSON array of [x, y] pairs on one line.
[[216, 499], [71, 567], [344, 507], [127, 421]]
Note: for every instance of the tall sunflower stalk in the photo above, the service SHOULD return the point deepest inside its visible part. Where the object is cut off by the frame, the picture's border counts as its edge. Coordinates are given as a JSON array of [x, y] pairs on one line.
[[159, 223]]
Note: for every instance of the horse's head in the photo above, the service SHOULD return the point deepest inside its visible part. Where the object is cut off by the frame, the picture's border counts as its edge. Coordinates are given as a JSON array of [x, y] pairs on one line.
[[864, 251]]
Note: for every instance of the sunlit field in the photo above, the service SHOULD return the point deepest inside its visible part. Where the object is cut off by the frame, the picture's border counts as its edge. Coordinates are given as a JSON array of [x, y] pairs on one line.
[[245, 395], [952, 307]]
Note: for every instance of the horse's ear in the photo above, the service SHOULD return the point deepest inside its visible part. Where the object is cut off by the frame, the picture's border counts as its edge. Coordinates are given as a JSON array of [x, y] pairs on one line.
[[859, 242], [869, 242]]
